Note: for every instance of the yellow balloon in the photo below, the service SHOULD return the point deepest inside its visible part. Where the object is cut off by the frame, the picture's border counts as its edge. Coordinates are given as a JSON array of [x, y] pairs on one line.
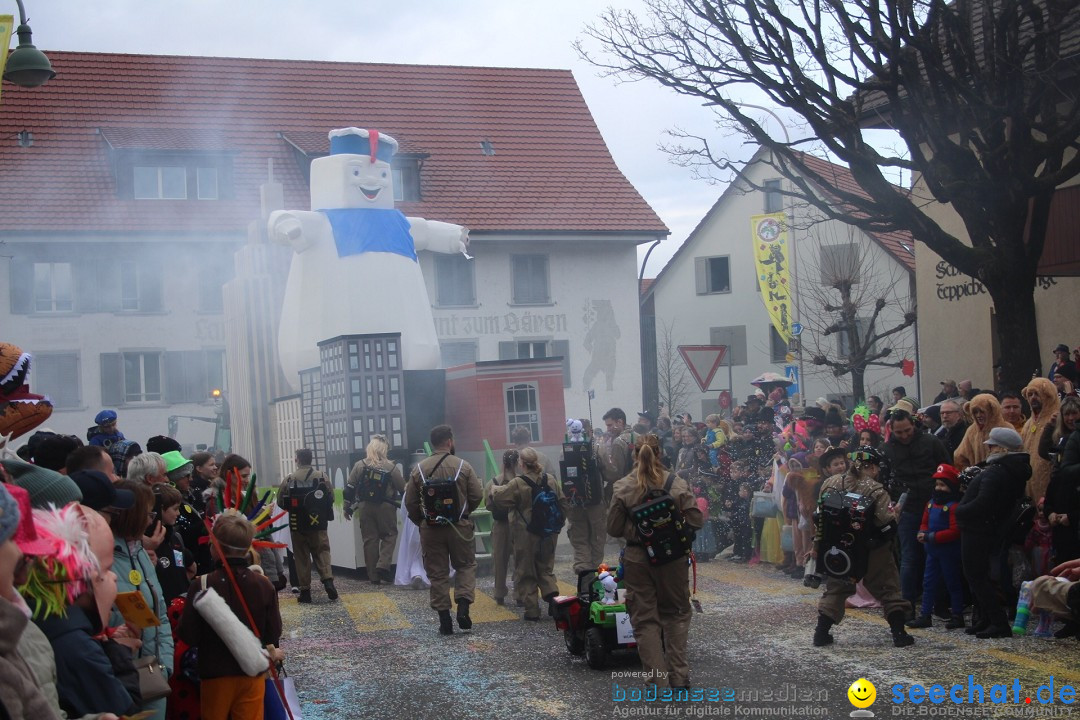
[[862, 693]]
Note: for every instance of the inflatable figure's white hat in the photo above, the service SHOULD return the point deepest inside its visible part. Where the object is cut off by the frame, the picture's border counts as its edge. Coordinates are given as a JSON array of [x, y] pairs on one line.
[[358, 141]]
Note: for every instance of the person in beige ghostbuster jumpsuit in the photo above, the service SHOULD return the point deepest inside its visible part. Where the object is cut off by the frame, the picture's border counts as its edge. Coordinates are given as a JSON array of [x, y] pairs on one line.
[[376, 521], [309, 544], [615, 455], [882, 577], [657, 596], [587, 526], [447, 543], [534, 556], [501, 541]]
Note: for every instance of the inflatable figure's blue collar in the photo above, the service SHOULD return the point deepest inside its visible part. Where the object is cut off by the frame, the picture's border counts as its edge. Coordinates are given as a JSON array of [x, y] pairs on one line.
[[364, 230]]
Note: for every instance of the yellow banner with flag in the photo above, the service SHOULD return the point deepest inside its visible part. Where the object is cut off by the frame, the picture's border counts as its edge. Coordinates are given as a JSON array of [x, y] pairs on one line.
[[6, 22], [770, 236]]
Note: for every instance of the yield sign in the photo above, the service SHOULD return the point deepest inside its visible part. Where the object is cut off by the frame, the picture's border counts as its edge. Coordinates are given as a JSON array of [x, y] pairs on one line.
[[703, 360]]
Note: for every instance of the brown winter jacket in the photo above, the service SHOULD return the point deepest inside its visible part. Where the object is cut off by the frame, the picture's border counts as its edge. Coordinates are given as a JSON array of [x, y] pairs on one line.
[[20, 694], [972, 451], [215, 660]]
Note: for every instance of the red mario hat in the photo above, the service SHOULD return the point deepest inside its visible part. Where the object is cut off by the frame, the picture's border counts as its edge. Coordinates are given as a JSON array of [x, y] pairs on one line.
[[947, 473]]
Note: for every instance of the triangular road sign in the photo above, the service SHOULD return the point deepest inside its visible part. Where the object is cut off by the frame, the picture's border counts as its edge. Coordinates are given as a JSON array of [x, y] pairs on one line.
[[703, 361]]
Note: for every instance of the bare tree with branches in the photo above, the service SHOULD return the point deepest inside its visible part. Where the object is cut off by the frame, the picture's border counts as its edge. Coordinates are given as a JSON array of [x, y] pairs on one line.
[[671, 373], [982, 94], [855, 306]]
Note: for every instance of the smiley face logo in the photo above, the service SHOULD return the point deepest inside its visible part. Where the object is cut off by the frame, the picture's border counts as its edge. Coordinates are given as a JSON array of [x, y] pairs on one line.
[[862, 693]]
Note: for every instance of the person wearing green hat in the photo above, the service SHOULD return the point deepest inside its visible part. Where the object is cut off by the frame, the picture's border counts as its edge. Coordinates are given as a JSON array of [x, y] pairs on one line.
[[189, 525]]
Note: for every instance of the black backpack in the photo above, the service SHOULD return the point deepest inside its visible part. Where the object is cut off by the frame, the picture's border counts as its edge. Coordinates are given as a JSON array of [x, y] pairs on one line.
[[441, 500], [547, 517], [661, 526], [372, 484]]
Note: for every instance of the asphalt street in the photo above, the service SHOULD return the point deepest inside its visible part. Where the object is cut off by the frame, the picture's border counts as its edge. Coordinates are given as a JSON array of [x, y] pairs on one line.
[[376, 653]]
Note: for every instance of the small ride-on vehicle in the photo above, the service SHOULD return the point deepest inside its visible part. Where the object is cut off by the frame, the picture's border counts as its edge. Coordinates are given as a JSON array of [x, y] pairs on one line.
[[589, 626]]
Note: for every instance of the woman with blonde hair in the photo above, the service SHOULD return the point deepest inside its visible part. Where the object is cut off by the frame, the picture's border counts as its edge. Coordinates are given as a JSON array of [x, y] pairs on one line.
[[374, 486], [657, 596], [984, 410], [534, 547]]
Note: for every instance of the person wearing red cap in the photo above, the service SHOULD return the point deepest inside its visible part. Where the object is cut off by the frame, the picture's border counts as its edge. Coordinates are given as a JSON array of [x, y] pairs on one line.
[[940, 536]]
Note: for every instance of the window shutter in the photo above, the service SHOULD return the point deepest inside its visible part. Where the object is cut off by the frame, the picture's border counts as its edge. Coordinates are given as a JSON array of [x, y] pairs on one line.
[[150, 286], [110, 379], [22, 284], [701, 275], [508, 350], [561, 348], [107, 287]]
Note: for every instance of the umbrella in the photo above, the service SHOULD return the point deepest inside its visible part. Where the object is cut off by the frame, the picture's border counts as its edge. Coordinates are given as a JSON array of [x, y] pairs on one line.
[[771, 378]]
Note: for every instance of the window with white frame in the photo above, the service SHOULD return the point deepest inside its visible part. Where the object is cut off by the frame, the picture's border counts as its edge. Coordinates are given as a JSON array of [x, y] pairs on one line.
[[160, 182], [57, 374], [142, 377], [141, 286], [529, 279], [712, 275], [522, 408], [455, 280], [52, 287], [774, 200]]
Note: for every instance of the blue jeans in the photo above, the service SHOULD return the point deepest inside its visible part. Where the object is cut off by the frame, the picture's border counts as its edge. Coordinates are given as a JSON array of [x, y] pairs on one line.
[[912, 556], [943, 564]]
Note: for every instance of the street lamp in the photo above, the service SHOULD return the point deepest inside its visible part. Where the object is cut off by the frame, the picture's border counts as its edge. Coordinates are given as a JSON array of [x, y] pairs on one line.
[[27, 66]]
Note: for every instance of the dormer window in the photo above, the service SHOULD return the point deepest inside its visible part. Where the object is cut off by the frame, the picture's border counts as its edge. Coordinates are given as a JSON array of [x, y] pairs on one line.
[[169, 164], [155, 182], [406, 179]]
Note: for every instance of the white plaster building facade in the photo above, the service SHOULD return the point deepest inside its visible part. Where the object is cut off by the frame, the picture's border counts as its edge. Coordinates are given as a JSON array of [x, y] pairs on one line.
[[708, 294]]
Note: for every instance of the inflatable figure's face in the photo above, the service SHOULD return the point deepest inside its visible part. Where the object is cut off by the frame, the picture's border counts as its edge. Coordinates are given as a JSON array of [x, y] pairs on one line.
[[20, 410], [351, 181]]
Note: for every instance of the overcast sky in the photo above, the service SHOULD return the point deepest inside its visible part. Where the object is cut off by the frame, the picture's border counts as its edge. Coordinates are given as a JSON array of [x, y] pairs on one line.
[[633, 117]]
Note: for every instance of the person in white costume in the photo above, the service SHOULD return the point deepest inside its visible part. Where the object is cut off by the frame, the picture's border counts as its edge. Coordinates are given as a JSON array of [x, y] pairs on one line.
[[354, 269]]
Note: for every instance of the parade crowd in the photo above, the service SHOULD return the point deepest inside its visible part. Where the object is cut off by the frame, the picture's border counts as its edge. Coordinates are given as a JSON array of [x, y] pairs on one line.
[[147, 582]]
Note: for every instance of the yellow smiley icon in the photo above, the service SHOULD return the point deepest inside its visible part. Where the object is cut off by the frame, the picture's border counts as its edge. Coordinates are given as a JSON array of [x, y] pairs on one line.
[[862, 693]]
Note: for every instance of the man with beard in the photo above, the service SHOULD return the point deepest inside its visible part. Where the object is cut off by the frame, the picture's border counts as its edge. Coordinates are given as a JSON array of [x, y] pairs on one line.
[[953, 427]]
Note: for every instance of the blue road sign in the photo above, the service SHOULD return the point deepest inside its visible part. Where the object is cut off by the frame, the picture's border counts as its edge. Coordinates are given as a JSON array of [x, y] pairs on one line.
[[791, 372], [796, 329]]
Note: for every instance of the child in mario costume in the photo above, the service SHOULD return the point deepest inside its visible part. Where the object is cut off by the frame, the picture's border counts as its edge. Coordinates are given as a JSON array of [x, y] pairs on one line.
[[941, 537]]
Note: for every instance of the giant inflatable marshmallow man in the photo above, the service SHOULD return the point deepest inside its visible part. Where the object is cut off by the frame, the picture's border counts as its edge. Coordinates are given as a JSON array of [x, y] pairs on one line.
[[355, 269]]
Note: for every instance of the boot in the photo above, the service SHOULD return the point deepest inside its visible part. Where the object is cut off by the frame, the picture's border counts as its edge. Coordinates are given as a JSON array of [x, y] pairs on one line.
[[977, 627], [900, 638], [822, 637], [446, 625], [923, 621], [955, 622], [463, 620], [331, 591], [995, 631], [305, 596], [385, 575]]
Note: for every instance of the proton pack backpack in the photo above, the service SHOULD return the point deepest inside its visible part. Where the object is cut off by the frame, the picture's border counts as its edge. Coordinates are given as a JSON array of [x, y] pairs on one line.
[[309, 504], [547, 517], [845, 532], [581, 481], [441, 501], [661, 526], [371, 487]]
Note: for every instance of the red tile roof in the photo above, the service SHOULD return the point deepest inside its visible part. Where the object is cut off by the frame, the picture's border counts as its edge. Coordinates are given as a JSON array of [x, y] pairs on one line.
[[551, 170], [897, 243]]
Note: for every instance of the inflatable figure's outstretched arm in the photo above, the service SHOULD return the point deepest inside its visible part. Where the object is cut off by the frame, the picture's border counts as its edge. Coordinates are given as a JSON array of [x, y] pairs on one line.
[[438, 236], [298, 228]]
